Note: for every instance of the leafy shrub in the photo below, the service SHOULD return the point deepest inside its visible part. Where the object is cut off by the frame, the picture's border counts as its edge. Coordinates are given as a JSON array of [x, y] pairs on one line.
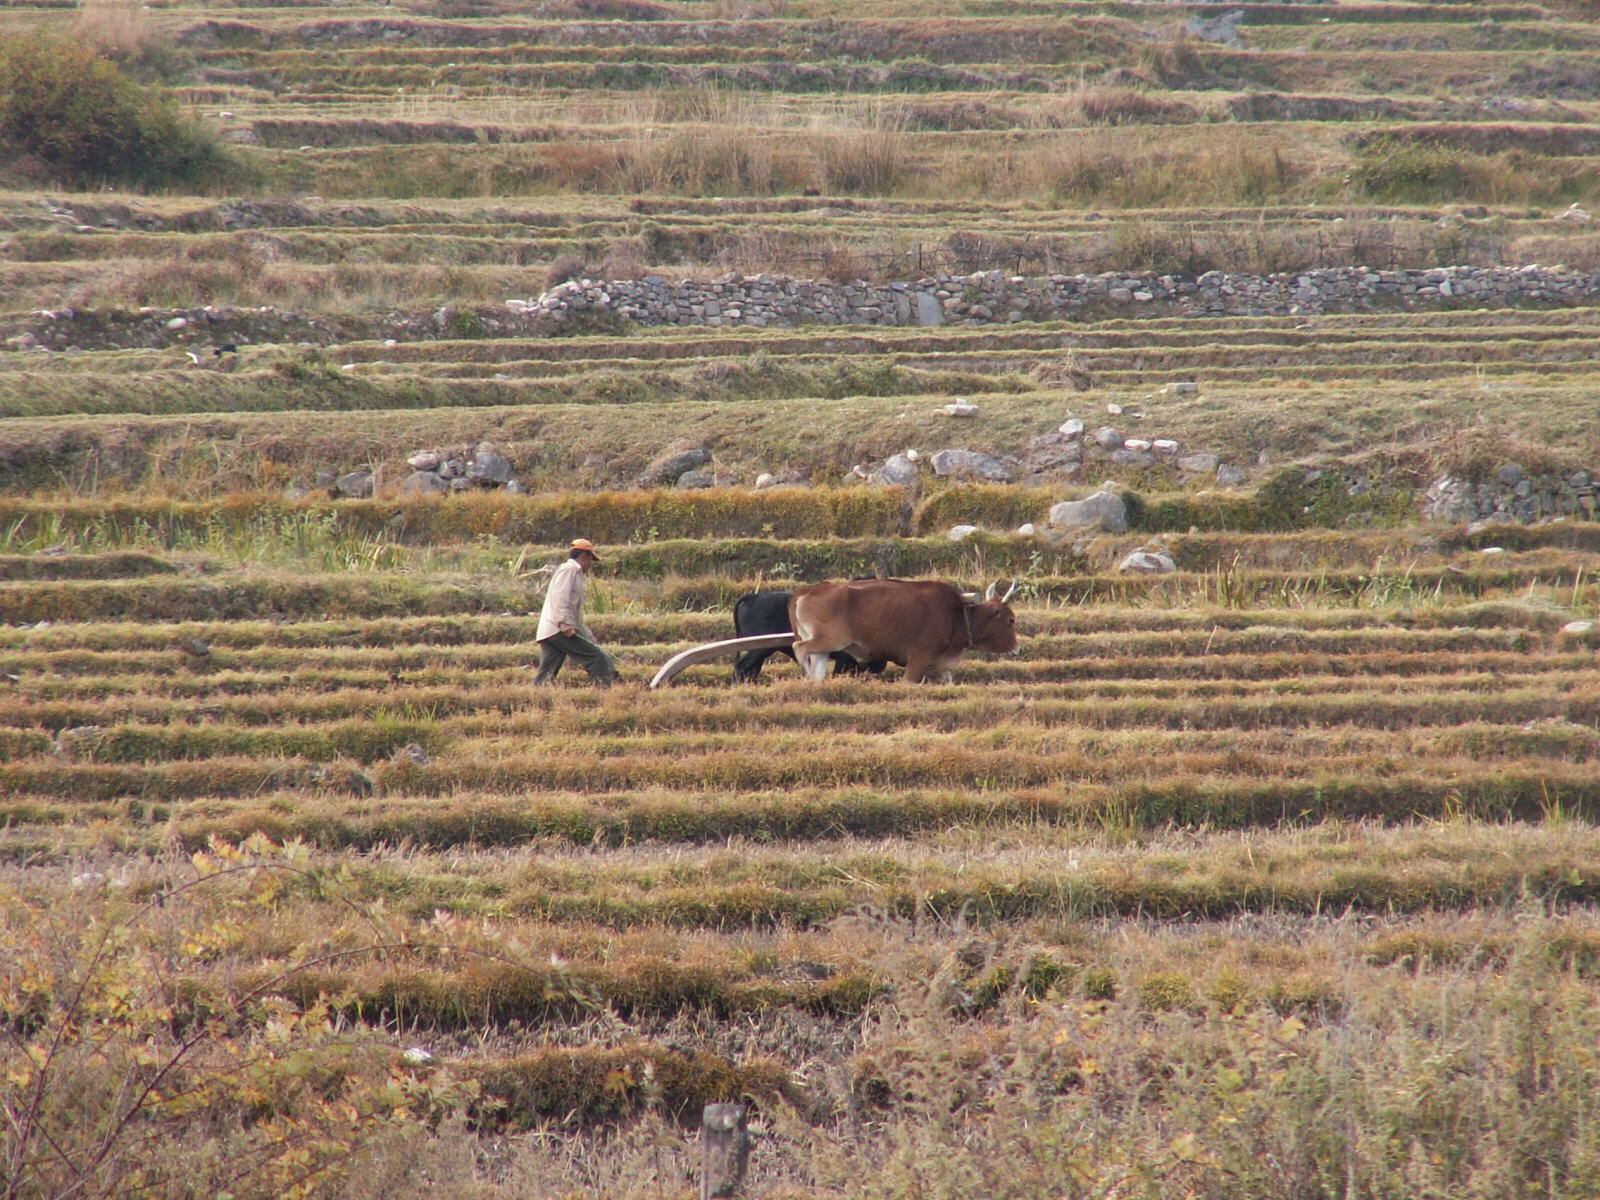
[[1100, 983], [1165, 991], [79, 117], [1410, 172]]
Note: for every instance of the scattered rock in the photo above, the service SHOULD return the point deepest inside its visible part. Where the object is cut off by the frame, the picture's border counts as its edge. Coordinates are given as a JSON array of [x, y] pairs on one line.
[[961, 407], [961, 463], [489, 467], [424, 483], [1223, 28], [897, 470], [673, 463], [696, 479], [1108, 438], [1104, 510], [1578, 627], [1147, 562], [1230, 476], [356, 485], [1200, 464], [424, 460], [80, 741], [765, 480], [1051, 452], [1127, 457], [1072, 427], [413, 753], [195, 647], [1185, 388], [960, 532], [1027, 529]]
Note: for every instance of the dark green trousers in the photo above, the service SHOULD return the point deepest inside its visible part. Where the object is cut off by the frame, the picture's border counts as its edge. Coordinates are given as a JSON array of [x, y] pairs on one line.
[[557, 648]]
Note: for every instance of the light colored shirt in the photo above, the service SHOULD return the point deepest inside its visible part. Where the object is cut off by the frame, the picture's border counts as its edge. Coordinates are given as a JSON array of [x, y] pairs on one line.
[[563, 603]]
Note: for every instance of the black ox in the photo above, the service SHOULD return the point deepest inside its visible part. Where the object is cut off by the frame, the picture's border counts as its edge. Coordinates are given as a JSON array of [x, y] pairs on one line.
[[766, 613]]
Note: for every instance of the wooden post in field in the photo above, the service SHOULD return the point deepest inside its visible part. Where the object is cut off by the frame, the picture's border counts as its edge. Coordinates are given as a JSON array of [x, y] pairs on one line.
[[725, 1139]]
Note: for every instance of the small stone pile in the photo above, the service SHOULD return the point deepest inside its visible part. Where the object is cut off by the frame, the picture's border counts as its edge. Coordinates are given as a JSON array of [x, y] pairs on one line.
[[437, 473]]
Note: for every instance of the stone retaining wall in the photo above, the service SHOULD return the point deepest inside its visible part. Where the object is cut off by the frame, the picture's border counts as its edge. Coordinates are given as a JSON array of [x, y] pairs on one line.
[[735, 299], [760, 300], [1512, 495]]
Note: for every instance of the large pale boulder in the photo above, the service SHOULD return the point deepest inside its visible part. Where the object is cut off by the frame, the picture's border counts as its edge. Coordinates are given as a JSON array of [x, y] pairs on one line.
[[1104, 510], [1147, 562]]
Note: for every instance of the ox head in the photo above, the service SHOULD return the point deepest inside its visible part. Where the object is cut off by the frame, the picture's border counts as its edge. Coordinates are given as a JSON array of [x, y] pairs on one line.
[[992, 623]]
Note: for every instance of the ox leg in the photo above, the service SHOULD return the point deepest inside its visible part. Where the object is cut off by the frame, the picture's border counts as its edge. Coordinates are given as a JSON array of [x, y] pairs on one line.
[[747, 667], [814, 664]]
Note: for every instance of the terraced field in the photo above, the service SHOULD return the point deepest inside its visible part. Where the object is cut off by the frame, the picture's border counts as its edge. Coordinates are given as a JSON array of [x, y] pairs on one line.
[[1272, 874]]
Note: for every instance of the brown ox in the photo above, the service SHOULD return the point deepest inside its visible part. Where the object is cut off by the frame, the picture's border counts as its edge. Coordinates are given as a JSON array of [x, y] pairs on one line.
[[922, 624]]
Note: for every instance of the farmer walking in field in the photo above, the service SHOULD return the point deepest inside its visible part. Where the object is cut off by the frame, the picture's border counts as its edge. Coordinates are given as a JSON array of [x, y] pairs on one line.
[[562, 633]]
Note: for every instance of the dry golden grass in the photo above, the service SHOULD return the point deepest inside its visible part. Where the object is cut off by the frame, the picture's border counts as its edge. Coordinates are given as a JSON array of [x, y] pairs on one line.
[[1274, 876]]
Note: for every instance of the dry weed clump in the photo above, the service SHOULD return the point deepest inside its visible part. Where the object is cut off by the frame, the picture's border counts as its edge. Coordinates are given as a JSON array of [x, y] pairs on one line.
[[1126, 106], [1221, 1086], [117, 28], [872, 159], [1226, 167]]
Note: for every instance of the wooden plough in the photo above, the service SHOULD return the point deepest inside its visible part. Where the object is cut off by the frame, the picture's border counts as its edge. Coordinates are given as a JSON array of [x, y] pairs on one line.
[[699, 654]]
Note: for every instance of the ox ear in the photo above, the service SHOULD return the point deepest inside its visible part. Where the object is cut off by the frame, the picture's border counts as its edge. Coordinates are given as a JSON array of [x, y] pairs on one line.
[[1010, 592], [988, 594]]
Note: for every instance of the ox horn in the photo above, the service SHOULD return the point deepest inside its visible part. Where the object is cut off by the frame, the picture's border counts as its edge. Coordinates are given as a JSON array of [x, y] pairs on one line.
[[988, 594], [1010, 592]]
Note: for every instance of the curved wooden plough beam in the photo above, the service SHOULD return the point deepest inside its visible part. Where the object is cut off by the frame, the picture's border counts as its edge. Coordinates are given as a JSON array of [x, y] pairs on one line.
[[699, 654]]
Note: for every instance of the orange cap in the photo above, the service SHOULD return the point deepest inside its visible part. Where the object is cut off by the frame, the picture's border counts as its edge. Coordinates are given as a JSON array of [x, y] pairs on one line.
[[584, 544]]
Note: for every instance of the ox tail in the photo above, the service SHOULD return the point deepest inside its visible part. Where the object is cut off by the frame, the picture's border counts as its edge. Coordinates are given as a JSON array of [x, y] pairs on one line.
[[802, 627], [738, 610]]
